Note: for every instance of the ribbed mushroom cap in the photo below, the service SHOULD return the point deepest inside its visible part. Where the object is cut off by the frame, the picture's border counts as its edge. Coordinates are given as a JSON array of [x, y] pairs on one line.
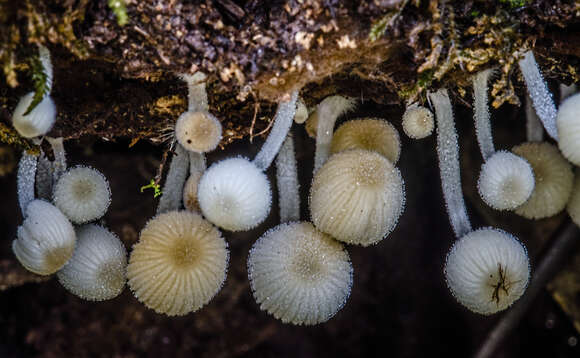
[[418, 122], [82, 194], [96, 271], [179, 263], [234, 195], [371, 134], [357, 197], [198, 131], [553, 176], [487, 270], [46, 239], [574, 203], [298, 274], [506, 181], [190, 192], [39, 121], [568, 122]]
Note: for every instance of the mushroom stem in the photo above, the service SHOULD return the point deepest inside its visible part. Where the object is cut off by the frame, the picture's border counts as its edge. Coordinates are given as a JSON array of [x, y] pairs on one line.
[[44, 56], [25, 180], [564, 245], [44, 177], [59, 164], [172, 192], [448, 153], [282, 122], [567, 91], [197, 95], [287, 179], [539, 93], [481, 114], [534, 128], [197, 163]]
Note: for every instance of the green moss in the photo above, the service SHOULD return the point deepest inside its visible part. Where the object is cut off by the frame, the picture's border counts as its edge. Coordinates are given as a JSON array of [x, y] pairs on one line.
[[120, 10], [39, 79]]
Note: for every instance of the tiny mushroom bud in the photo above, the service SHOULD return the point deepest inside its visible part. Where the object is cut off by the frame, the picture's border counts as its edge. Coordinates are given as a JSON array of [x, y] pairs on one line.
[[487, 270], [198, 131], [418, 122], [568, 122], [39, 121], [298, 274], [96, 271], [371, 134], [46, 239], [82, 194], [357, 197], [179, 263], [301, 112]]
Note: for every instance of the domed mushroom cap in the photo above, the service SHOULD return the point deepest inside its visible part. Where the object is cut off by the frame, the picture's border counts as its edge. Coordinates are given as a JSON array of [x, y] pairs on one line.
[[568, 123], [198, 131], [553, 176], [506, 181], [96, 271], [46, 239], [82, 194], [574, 203], [418, 122], [179, 263], [298, 274], [39, 121], [370, 134], [234, 195], [487, 270], [357, 197]]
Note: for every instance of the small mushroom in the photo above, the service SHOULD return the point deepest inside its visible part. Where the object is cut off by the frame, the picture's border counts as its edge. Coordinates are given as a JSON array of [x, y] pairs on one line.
[[568, 122], [198, 131], [573, 206], [418, 122]]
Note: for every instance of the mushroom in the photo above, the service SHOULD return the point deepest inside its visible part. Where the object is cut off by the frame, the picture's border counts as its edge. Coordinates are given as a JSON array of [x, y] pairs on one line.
[[198, 131], [96, 270], [418, 121], [179, 263], [568, 122], [298, 274], [573, 206]]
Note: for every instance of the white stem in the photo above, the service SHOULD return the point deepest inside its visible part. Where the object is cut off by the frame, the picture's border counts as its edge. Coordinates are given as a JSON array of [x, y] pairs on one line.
[[566, 91], [481, 114], [44, 56], [197, 95], [172, 193], [59, 164], [287, 179], [534, 128], [539, 93], [44, 178], [25, 180], [448, 153], [282, 122], [197, 163]]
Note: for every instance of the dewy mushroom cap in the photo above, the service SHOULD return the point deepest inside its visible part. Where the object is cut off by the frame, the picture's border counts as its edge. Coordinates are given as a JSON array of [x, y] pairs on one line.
[[39, 121], [568, 123], [198, 131]]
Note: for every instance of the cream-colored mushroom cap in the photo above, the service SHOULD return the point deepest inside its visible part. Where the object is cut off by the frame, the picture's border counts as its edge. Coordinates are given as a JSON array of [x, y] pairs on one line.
[[506, 181], [46, 239], [82, 194], [487, 270], [418, 122], [198, 131], [179, 263], [298, 274], [357, 197], [234, 195], [96, 271], [371, 134], [568, 123], [574, 203], [39, 121], [553, 176]]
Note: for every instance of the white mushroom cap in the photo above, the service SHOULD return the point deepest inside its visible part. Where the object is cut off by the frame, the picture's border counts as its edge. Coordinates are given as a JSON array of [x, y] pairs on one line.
[[82, 194], [506, 181], [568, 122], [418, 122], [198, 131], [298, 274], [370, 134], [487, 270], [39, 121], [301, 112], [179, 263], [553, 176], [96, 271], [574, 203], [357, 197], [46, 239], [234, 195]]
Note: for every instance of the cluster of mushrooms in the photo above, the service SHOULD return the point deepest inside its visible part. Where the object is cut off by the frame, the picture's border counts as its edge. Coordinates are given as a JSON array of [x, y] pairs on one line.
[[299, 271]]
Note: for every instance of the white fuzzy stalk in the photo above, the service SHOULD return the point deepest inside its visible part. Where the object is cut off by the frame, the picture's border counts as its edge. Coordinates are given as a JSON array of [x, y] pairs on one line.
[[44, 56], [448, 153], [534, 128], [44, 178], [282, 122], [172, 192], [59, 164], [481, 114], [287, 179], [25, 180], [539, 93], [197, 95]]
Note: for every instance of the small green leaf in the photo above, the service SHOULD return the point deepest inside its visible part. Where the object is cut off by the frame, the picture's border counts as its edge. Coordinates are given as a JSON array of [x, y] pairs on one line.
[[41, 85], [120, 10], [154, 186]]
